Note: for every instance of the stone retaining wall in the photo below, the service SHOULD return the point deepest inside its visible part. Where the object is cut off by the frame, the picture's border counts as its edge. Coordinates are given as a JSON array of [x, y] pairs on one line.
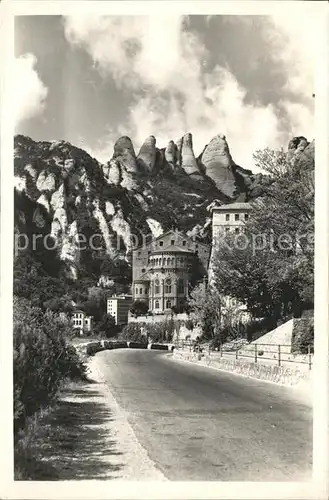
[[272, 373], [93, 347]]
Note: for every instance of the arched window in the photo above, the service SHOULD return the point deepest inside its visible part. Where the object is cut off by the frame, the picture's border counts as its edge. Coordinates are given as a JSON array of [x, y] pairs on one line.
[[156, 304], [168, 304], [157, 287], [136, 291], [141, 291], [165, 261], [168, 285]]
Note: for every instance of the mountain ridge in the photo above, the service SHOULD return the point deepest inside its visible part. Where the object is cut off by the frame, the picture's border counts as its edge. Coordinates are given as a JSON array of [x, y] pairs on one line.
[[130, 195]]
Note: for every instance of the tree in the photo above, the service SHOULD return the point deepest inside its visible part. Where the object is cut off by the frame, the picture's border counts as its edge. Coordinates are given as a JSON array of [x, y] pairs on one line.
[[269, 267], [107, 326], [206, 306], [138, 308]]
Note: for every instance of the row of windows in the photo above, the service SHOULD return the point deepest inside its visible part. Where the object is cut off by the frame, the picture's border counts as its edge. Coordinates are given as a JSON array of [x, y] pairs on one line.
[[78, 315], [157, 304], [78, 322], [172, 243], [140, 291], [167, 261], [237, 216], [237, 230]]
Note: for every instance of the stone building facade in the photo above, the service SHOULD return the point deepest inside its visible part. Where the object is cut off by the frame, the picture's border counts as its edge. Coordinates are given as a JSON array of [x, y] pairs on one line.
[[166, 268], [228, 219]]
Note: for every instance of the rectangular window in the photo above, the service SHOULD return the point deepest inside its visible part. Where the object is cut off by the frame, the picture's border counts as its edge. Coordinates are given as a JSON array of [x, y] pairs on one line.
[[136, 291], [237, 230], [246, 216], [184, 243], [167, 288], [157, 289], [161, 243], [227, 230], [236, 217], [181, 286], [141, 291], [172, 242], [227, 217]]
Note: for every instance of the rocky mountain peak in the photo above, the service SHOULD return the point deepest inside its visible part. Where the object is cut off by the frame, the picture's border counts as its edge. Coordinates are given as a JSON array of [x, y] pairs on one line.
[[147, 154], [219, 165], [64, 188]]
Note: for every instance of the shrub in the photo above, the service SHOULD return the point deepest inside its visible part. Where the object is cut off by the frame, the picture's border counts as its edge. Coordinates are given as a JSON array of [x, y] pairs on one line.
[[42, 359], [189, 324], [302, 336], [139, 308], [134, 333]]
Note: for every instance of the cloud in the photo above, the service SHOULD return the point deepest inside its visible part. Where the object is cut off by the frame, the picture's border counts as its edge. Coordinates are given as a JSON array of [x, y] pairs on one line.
[[29, 92], [164, 66]]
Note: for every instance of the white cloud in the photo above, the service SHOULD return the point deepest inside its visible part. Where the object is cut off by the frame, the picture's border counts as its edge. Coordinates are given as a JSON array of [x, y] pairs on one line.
[[163, 65], [29, 92]]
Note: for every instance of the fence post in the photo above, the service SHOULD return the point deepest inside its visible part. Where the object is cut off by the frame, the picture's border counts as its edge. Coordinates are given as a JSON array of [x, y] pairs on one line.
[[236, 354], [221, 350], [279, 355], [309, 357], [255, 353]]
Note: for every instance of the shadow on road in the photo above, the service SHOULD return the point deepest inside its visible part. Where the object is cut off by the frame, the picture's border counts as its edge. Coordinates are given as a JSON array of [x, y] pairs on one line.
[[74, 440]]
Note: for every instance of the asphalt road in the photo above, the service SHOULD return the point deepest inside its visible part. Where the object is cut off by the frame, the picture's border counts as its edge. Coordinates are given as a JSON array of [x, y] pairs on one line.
[[202, 424]]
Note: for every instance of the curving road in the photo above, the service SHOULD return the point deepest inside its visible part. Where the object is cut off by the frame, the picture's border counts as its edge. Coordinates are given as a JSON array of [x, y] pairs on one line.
[[201, 424]]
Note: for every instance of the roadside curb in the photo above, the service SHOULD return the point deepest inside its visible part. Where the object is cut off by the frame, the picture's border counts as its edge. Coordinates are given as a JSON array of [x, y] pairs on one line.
[[279, 375], [138, 464]]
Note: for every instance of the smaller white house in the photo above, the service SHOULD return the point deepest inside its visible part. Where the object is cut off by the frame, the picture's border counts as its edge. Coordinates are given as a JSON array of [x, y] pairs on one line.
[[81, 322]]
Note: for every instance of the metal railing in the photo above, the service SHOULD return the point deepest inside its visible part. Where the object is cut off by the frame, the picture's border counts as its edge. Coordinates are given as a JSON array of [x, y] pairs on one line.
[[277, 353]]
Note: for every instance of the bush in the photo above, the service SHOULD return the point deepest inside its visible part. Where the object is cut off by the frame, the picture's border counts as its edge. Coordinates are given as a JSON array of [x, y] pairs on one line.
[[303, 336], [134, 333], [42, 359], [189, 324], [139, 308]]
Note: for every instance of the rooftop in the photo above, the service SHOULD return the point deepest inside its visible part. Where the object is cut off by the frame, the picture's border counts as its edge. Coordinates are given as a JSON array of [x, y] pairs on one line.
[[234, 206], [171, 248], [119, 297]]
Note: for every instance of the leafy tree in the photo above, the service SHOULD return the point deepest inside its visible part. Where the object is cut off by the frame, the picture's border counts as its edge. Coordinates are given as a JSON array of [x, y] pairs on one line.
[[206, 306], [107, 326], [138, 308], [42, 358], [269, 267]]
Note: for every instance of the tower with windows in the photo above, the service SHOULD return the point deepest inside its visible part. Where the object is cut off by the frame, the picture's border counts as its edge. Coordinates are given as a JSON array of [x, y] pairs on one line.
[[165, 268]]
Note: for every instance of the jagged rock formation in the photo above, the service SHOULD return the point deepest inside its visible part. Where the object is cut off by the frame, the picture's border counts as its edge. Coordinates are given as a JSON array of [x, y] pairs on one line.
[[188, 160], [219, 166], [125, 154], [63, 191], [171, 153], [147, 154]]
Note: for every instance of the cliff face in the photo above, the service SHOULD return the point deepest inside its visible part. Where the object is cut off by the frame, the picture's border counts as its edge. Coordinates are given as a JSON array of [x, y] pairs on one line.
[[74, 197]]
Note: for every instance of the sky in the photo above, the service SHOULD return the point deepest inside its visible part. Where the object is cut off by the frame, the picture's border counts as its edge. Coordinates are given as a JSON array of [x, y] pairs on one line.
[[89, 80]]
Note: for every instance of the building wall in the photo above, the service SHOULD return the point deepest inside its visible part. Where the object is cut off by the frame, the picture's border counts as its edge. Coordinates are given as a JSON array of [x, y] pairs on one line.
[[226, 221], [151, 271], [140, 256], [78, 319], [119, 307]]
